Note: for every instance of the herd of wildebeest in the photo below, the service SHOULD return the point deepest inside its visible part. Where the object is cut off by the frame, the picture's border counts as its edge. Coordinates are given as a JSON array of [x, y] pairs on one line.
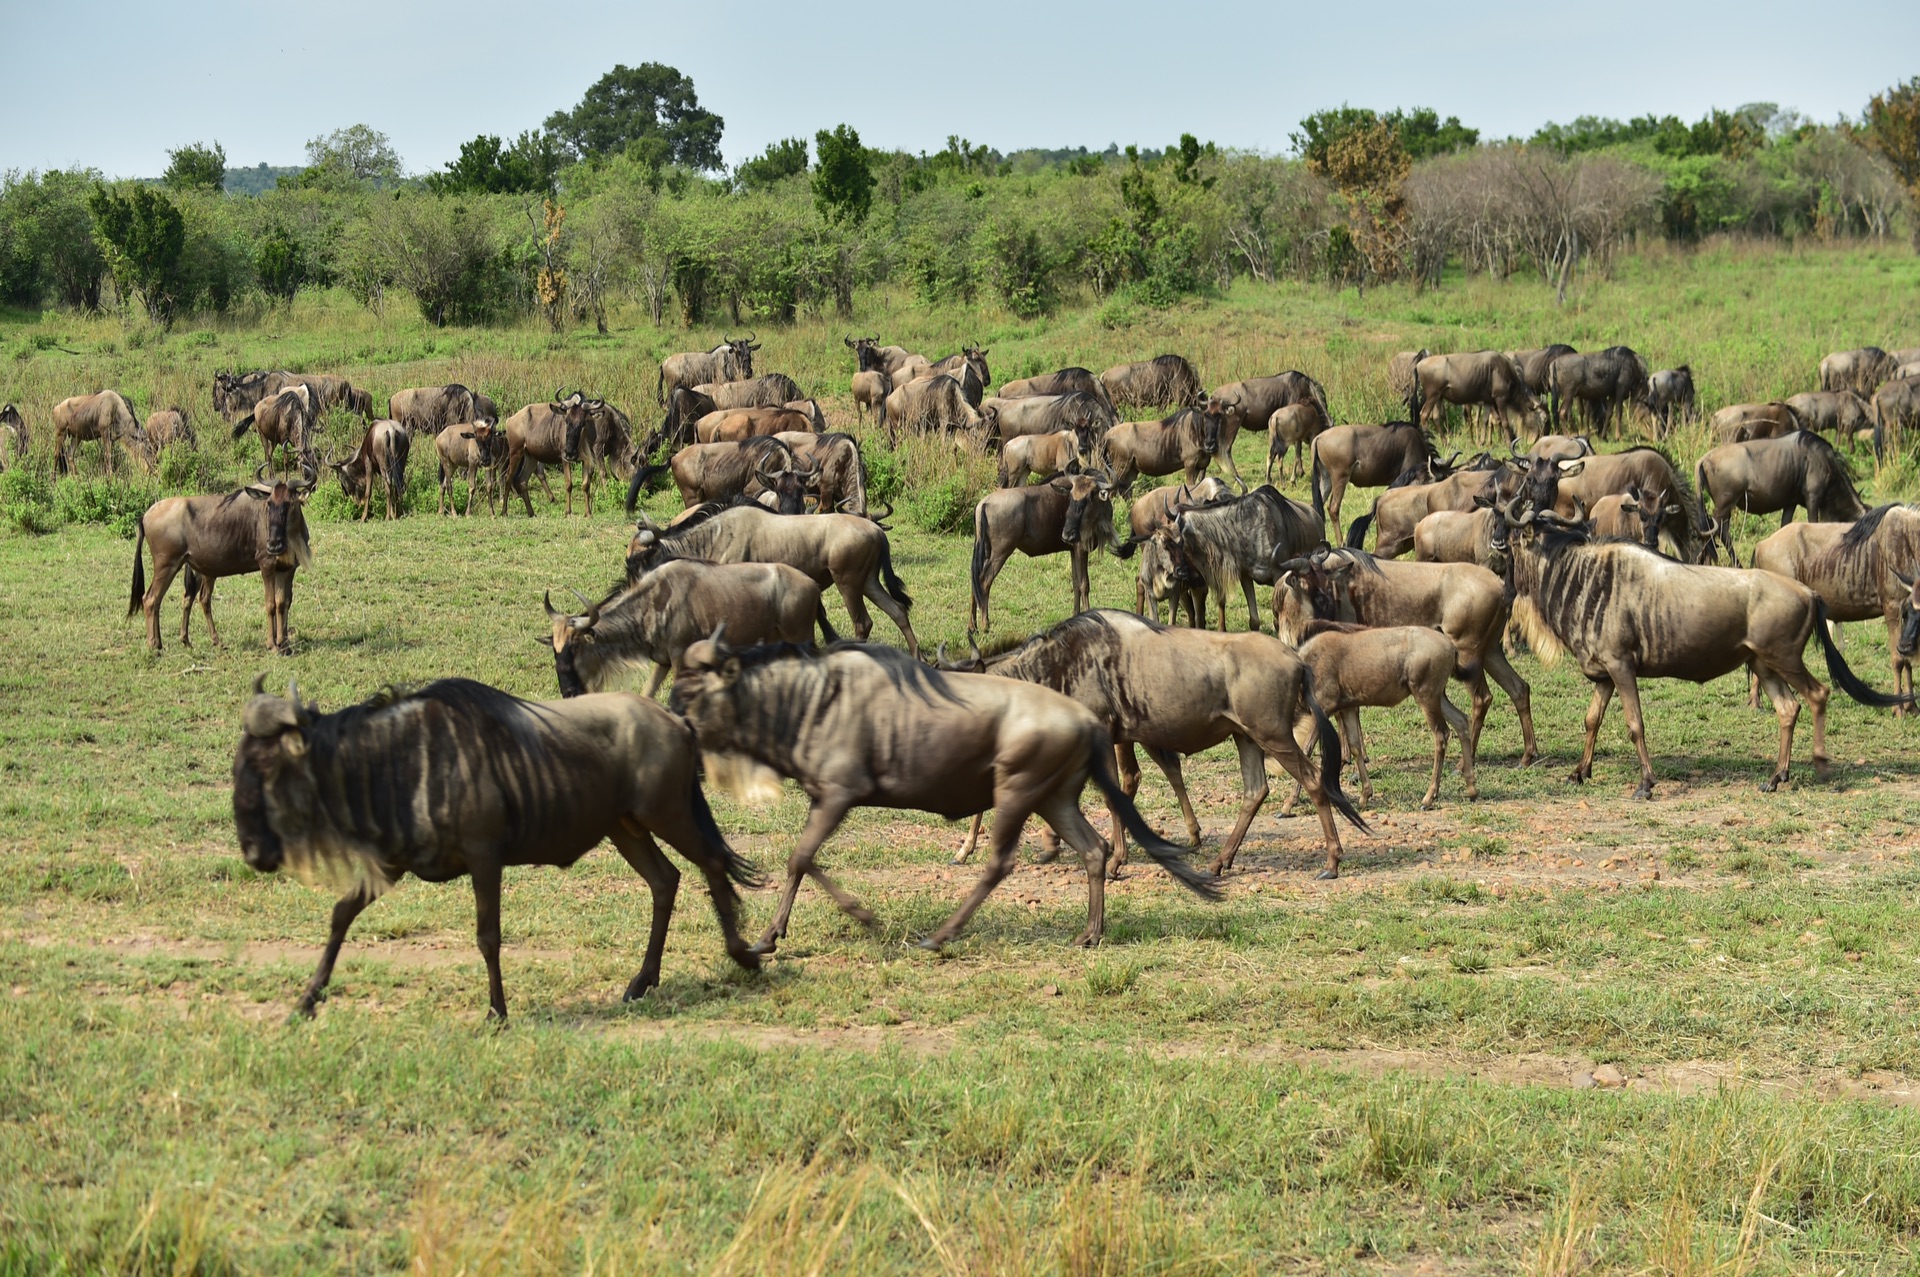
[[1610, 558]]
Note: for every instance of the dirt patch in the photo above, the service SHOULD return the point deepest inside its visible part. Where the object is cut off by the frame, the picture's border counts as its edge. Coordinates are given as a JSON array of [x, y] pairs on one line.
[[424, 953]]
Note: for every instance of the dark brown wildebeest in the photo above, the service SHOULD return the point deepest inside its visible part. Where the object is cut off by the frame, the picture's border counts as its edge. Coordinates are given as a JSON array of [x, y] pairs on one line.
[[1560, 485], [732, 425], [870, 390], [284, 421], [849, 550], [927, 405], [1067, 381], [1356, 666], [1456, 536], [1670, 391], [557, 433], [1844, 414], [774, 390], [381, 454], [1764, 475], [168, 427], [427, 410], [870, 726], [1603, 382], [1164, 575], [1398, 511], [234, 395], [259, 528], [1250, 405], [104, 417], [1866, 570], [835, 471], [1187, 442], [1175, 692], [685, 406], [1237, 540], [1402, 383], [895, 361], [1626, 613], [706, 472], [360, 402], [1086, 415], [1464, 601], [657, 618], [731, 360], [1861, 371], [17, 439], [1369, 457], [1295, 426], [1896, 409], [1041, 455], [459, 778], [968, 357], [1072, 514], [1741, 421], [1163, 381], [1533, 364], [471, 448], [1484, 377]]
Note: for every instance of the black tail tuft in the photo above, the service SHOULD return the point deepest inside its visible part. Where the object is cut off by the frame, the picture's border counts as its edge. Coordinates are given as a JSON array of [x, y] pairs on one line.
[[246, 424], [1331, 762], [828, 636], [981, 550], [1357, 532], [894, 586], [1165, 854], [641, 474], [1843, 676], [139, 570], [739, 869]]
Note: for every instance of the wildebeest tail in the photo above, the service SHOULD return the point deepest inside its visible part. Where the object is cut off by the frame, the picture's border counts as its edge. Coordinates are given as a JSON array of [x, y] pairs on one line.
[[246, 424], [827, 632], [139, 569], [739, 868], [1165, 854], [1879, 430], [1843, 676], [890, 580], [1357, 531], [1319, 494], [659, 386], [397, 470], [981, 551], [641, 474], [1331, 760]]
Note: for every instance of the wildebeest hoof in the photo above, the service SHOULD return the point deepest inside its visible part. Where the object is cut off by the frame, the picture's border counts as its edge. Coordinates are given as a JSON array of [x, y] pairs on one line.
[[1326, 875], [1577, 777], [1428, 805], [745, 956], [932, 944], [763, 949], [1645, 792], [641, 986]]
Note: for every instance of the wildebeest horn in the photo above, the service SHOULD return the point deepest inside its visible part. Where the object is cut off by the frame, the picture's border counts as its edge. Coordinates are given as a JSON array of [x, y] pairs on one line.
[[585, 602], [1902, 578], [1513, 446], [1513, 518], [719, 634], [260, 473], [1294, 565], [1579, 511], [547, 599]]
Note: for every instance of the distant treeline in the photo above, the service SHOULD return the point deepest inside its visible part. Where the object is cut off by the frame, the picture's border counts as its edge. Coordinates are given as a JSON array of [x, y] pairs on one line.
[[624, 197]]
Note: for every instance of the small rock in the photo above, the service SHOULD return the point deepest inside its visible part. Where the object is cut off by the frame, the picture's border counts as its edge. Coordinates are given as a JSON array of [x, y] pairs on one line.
[[1583, 1081], [1607, 1075], [1049, 990], [1650, 875]]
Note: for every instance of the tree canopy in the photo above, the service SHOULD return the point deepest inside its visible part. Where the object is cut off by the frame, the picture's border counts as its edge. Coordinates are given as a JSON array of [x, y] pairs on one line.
[[195, 167], [488, 166], [632, 104], [843, 180]]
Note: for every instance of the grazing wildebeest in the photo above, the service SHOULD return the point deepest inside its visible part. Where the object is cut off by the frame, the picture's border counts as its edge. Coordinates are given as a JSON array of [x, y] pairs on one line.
[[1533, 364], [1356, 666], [657, 618], [1236, 541], [928, 404], [1626, 613], [1067, 381], [1861, 371], [1464, 601], [428, 410], [1603, 382], [1740, 421], [1669, 391], [731, 360], [360, 402], [1086, 415], [1250, 405], [1557, 485], [869, 726], [1187, 441], [1175, 692], [1295, 426], [1402, 383], [381, 454], [1484, 377], [870, 391], [18, 437], [835, 472], [731, 425], [1164, 380], [284, 420], [1866, 570], [460, 778], [1369, 457], [104, 416], [774, 390], [1041, 455], [706, 472], [472, 448], [895, 361], [557, 433], [1398, 510], [236, 394], [685, 406], [1764, 475], [1072, 514], [1844, 414], [1896, 408], [169, 426], [259, 528], [849, 550], [1463, 536]]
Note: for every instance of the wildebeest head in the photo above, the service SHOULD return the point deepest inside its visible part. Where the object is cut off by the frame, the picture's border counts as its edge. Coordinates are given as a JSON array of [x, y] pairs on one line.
[[866, 353], [281, 498], [743, 348], [486, 441], [976, 359], [16, 426], [1208, 424], [273, 750], [1909, 640], [1542, 486], [1089, 497], [702, 690], [784, 479], [580, 412], [566, 632]]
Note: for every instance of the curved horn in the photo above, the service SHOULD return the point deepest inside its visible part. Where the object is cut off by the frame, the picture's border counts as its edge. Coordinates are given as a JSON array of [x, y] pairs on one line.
[[1579, 511], [585, 602], [1510, 512], [1513, 446], [260, 473], [552, 611], [719, 634]]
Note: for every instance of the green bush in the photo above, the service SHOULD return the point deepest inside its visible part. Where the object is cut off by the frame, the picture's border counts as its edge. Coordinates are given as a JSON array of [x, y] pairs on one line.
[[115, 503], [944, 506], [26, 504]]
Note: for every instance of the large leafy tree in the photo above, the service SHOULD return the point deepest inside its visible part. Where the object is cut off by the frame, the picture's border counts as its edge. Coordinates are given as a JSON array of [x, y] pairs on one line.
[[1893, 130], [781, 160], [1419, 133], [195, 167], [357, 153], [843, 178], [145, 239], [633, 104], [488, 166]]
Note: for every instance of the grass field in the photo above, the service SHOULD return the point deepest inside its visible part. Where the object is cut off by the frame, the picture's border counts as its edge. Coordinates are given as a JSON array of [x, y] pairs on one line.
[[1387, 1073]]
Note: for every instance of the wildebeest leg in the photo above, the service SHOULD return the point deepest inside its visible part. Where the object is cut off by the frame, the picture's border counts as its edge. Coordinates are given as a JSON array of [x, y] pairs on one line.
[[1451, 717], [345, 910], [1356, 747], [279, 602], [1082, 583], [1496, 664], [895, 613], [1786, 707], [1253, 609], [1629, 688], [1230, 431], [853, 592], [1127, 764], [163, 574], [1479, 700], [1253, 783], [663, 880], [1596, 712], [821, 822], [1009, 817], [486, 929], [1220, 601], [973, 840], [1902, 666], [659, 677], [1169, 763]]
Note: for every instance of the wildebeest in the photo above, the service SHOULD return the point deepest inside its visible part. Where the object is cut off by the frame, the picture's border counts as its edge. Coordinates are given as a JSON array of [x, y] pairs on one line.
[[811, 410], [1555, 448], [1533, 364], [1042, 455], [284, 421], [170, 426], [927, 404], [1632, 516], [1175, 692], [1067, 381], [1764, 475], [1398, 510], [731, 360], [685, 406], [104, 416], [869, 726], [1086, 415], [1072, 514], [658, 617], [1867, 570], [235, 394], [1356, 666], [836, 472], [1464, 601], [259, 528], [1861, 371], [460, 778], [894, 361], [1896, 409], [1844, 414], [849, 550], [1670, 391], [870, 390], [18, 437], [1484, 377], [1250, 405], [968, 357], [1626, 613], [774, 390], [1402, 383], [1368, 457], [1236, 541], [1295, 426], [381, 454], [360, 402], [427, 410], [1187, 441], [1737, 422], [1557, 485], [1164, 380], [1602, 382], [556, 433], [1164, 576], [472, 448], [1160, 505], [1463, 536], [706, 472], [731, 425]]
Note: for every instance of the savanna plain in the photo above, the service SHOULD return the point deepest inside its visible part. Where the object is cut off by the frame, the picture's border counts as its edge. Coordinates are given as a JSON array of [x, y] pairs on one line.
[[1392, 1072]]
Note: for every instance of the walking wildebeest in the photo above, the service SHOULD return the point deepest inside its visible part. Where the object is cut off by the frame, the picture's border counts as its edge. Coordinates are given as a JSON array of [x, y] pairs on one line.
[[1764, 475], [104, 416], [706, 472], [731, 360], [896, 362], [1603, 382], [1072, 514], [460, 778], [1626, 613], [849, 550], [1295, 426], [1187, 441], [427, 410], [284, 420], [1556, 485], [732, 425], [1175, 692], [657, 618], [1157, 578], [1867, 570], [1041, 455], [381, 454], [473, 448], [1237, 540], [235, 394], [835, 472], [1484, 377], [259, 528], [1369, 457], [1463, 536], [1402, 383], [870, 726], [1669, 391], [1163, 381], [1250, 405], [556, 433], [1632, 516]]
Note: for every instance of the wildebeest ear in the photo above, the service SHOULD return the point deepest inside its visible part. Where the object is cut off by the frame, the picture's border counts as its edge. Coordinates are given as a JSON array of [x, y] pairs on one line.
[[718, 637]]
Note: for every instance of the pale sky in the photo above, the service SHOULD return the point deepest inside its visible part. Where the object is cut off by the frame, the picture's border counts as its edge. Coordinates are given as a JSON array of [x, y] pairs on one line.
[[115, 83]]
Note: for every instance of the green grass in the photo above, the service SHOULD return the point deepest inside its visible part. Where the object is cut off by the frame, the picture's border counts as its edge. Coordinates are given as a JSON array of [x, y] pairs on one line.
[[1356, 1077]]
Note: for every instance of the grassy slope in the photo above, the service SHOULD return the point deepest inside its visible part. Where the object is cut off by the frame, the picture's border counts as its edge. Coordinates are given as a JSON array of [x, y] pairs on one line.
[[1015, 1106]]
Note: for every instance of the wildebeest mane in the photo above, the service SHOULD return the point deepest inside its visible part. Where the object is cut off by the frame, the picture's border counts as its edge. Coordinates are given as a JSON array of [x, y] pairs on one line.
[[1861, 533], [907, 675], [1318, 626]]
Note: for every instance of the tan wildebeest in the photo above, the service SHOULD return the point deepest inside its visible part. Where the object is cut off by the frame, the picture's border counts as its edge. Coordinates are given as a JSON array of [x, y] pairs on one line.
[[1070, 515], [1187, 442], [104, 416], [382, 455], [472, 448], [284, 421], [556, 433]]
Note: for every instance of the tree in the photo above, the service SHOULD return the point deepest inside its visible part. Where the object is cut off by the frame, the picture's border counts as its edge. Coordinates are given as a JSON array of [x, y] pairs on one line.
[[358, 153], [46, 239], [1893, 130], [1420, 132], [628, 104], [196, 168], [843, 179], [1423, 133], [144, 238], [781, 160], [487, 166]]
